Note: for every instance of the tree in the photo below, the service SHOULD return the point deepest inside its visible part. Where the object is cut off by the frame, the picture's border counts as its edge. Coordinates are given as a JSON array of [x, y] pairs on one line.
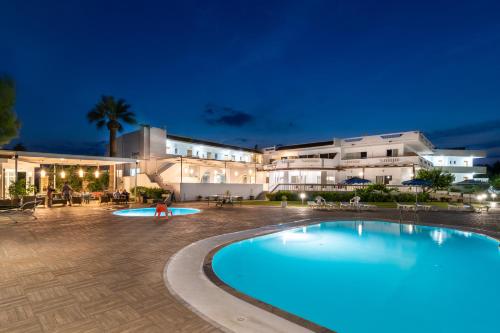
[[9, 124], [19, 147], [440, 180], [112, 114]]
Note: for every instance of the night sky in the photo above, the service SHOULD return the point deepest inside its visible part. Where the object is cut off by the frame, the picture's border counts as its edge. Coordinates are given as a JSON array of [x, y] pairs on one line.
[[256, 72]]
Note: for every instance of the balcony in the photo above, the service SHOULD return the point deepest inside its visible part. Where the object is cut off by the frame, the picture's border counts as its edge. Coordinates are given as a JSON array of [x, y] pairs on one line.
[[302, 163], [463, 169], [386, 161]]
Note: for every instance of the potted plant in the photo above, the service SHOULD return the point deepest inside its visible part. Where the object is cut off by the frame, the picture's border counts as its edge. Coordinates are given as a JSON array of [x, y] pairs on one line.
[[284, 202]]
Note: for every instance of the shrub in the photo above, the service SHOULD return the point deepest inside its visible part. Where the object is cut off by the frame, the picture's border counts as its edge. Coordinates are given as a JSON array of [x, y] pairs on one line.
[[341, 196], [276, 196], [150, 192]]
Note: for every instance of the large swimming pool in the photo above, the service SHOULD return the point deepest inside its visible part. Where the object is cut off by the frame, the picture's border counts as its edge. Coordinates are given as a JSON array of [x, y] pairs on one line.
[[151, 211], [358, 277]]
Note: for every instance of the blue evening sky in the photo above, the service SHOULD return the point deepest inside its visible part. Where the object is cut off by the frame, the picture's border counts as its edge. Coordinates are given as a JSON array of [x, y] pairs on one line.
[[257, 72]]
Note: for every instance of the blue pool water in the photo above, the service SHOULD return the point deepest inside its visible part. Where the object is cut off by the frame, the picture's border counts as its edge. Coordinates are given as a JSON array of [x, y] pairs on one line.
[[151, 211], [358, 277]]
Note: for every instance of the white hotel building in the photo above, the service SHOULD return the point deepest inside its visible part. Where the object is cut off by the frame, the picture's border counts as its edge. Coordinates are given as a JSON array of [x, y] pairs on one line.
[[193, 168]]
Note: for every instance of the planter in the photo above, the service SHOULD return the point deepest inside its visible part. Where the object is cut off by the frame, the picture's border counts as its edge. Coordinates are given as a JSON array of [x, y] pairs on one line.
[[284, 204]]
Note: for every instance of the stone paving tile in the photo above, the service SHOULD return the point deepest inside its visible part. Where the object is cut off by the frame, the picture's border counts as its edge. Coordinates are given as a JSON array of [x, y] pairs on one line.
[[83, 269]]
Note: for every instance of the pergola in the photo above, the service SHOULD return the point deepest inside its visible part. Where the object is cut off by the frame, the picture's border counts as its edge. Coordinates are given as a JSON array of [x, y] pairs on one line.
[[36, 159]]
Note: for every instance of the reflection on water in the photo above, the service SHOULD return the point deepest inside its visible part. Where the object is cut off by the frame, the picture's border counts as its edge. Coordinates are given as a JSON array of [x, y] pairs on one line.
[[439, 235]]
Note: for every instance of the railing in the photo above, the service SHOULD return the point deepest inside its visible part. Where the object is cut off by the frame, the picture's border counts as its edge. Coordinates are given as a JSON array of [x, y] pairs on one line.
[[463, 169], [322, 163], [326, 187], [383, 161]]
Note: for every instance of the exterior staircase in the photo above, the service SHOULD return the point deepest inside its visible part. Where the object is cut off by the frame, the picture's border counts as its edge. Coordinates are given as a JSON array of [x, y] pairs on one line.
[[155, 177]]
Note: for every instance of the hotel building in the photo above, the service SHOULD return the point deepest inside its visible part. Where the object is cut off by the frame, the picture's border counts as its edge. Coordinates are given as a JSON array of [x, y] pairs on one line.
[[193, 168]]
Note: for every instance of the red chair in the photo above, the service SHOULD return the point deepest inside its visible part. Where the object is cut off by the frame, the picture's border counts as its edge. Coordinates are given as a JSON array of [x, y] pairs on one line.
[[162, 208]]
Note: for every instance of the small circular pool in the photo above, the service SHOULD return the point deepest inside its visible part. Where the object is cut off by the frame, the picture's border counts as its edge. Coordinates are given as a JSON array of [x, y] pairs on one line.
[[151, 211]]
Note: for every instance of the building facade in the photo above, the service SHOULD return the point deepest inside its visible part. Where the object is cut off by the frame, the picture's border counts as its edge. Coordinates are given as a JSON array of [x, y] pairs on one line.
[[386, 159], [192, 167]]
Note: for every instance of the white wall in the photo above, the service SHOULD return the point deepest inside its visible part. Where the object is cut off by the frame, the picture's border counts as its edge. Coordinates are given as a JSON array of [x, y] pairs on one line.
[[176, 147], [191, 191]]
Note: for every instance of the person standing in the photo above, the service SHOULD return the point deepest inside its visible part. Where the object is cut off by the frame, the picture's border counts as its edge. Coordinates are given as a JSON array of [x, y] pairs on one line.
[[66, 192], [50, 192]]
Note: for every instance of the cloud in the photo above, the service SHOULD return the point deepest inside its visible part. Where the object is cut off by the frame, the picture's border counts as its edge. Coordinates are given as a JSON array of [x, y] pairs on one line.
[[476, 128], [226, 116], [481, 135]]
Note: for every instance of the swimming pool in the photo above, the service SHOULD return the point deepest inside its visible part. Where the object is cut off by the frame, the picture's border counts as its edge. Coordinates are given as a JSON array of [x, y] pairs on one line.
[[151, 211], [371, 276]]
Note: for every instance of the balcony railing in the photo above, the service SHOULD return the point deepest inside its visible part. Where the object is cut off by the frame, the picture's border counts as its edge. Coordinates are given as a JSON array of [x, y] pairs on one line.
[[386, 161], [463, 169]]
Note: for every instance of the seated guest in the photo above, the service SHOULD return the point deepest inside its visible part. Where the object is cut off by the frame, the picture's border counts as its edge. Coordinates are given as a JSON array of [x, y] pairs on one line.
[[116, 195], [126, 194]]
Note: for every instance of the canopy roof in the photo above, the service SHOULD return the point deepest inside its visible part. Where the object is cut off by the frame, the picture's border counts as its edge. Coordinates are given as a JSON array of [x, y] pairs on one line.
[[64, 159]]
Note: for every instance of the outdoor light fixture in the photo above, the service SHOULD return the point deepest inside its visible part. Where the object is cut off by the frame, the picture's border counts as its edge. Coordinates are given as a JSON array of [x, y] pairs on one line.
[[63, 174], [302, 197], [493, 195], [250, 171], [236, 173], [361, 173], [96, 174], [42, 173], [80, 173]]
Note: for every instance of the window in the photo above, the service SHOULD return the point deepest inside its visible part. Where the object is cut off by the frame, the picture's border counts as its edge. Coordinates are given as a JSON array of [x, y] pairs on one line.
[[216, 156], [233, 158], [175, 151], [284, 158], [363, 154], [383, 179], [197, 154], [392, 152], [330, 156], [189, 152], [209, 155], [466, 163]]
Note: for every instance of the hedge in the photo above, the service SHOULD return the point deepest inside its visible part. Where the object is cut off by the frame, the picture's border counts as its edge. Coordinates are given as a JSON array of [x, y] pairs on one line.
[[366, 196], [150, 192]]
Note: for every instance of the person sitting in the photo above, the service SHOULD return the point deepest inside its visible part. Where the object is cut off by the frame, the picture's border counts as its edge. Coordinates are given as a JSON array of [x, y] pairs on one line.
[[126, 195], [116, 194]]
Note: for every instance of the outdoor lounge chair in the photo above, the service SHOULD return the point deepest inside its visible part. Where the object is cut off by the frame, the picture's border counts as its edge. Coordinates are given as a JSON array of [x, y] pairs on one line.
[[312, 204], [345, 205], [423, 207], [26, 208], [460, 208], [404, 206]]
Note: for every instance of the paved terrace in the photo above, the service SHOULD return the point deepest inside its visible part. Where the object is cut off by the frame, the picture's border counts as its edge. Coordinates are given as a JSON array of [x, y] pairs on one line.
[[83, 269]]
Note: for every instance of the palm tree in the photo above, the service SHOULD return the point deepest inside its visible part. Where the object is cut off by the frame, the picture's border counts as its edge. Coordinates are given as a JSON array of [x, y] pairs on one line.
[[111, 113]]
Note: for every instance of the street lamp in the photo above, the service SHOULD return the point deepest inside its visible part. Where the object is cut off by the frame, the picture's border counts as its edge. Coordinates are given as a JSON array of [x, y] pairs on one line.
[[302, 197]]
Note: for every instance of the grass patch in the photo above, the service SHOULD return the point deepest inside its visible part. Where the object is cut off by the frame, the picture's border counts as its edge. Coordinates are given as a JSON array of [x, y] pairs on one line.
[[299, 203]]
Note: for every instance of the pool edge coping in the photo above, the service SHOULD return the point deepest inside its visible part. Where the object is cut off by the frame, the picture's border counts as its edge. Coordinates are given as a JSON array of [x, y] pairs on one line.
[[309, 326]]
